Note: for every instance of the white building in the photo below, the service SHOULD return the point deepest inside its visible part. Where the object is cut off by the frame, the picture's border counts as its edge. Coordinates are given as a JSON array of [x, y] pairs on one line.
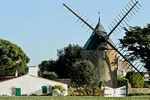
[[28, 84]]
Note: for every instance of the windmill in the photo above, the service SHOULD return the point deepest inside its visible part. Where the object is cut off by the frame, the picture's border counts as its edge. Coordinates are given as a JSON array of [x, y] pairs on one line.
[[100, 49]]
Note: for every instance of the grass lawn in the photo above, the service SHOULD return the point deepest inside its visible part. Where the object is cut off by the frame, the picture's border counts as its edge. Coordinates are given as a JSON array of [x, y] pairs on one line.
[[72, 98]]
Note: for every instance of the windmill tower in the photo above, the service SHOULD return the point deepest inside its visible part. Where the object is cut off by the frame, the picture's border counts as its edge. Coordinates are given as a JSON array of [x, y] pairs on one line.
[[103, 60], [100, 49]]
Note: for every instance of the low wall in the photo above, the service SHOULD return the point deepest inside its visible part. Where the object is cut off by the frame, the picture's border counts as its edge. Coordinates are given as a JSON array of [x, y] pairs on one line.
[[137, 90]]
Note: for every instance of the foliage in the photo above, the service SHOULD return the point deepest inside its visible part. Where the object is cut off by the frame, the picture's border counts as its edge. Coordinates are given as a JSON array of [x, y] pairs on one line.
[[96, 91], [102, 84], [135, 79], [58, 90], [122, 81], [59, 87], [50, 75], [137, 42], [146, 85], [66, 58], [83, 75], [12, 58], [47, 65]]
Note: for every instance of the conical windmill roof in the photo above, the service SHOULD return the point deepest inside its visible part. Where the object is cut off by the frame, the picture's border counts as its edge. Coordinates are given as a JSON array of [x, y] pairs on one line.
[[100, 27], [94, 40]]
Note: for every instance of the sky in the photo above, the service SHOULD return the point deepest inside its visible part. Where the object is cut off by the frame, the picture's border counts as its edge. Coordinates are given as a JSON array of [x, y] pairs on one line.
[[41, 27]]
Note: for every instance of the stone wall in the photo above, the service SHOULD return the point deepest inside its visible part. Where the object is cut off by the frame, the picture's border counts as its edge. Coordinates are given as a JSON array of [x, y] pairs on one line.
[[131, 90], [139, 90]]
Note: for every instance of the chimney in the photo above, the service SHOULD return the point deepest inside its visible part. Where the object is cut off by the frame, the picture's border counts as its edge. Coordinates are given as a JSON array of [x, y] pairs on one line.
[[16, 73], [33, 70]]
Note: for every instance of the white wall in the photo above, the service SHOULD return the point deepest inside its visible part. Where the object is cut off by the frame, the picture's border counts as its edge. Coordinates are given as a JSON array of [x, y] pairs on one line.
[[29, 84]]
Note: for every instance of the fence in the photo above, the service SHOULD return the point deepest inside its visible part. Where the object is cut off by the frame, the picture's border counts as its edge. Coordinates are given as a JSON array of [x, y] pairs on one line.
[[115, 92]]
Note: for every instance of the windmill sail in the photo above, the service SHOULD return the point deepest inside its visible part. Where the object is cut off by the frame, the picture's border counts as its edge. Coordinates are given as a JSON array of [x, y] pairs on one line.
[[99, 41]]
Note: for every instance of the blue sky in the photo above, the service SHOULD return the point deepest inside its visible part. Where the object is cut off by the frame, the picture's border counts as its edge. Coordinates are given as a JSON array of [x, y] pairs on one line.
[[40, 27]]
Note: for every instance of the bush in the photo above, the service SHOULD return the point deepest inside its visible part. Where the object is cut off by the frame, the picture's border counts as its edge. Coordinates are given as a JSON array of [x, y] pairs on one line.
[[96, 91], [121, 81], [148, 86], [59, 87], [136, 86], [58, 90], [135, 79]]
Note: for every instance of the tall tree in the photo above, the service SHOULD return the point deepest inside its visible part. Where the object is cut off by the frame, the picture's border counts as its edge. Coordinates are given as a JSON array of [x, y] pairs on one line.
[[83, 73], [137, 42], [47, 65], [12, 58], [66, 58]]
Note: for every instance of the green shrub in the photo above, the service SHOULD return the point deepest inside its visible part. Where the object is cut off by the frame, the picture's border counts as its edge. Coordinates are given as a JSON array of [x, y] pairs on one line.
[[135, 79], [98, 91], [137, 86], [59, 87], [148, 86], [95, 91], [122, 81], [58, 90]]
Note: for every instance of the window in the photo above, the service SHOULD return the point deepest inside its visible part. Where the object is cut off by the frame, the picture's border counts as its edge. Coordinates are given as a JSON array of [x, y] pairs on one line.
[[104, 54], [49, 88], [119, 73], [13, 91]]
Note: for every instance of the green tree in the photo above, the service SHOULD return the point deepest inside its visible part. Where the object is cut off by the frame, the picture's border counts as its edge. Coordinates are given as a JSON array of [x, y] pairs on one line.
[[84, 74], [135, 79], [12, 58], [66, 58], [137, 42], [50, 75], [47, 65]]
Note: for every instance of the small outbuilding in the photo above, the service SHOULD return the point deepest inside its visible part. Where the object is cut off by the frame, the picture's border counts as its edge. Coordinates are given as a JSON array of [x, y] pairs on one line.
[[28, 84]]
